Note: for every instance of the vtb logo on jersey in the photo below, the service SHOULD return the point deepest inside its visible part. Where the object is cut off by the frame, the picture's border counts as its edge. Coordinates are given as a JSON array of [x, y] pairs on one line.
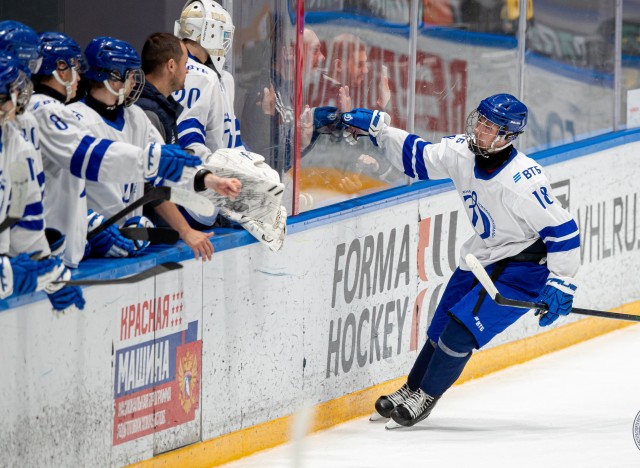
[[479, 217]]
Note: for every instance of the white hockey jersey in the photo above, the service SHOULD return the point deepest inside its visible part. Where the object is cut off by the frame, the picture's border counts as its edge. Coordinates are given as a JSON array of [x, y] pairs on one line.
[[12, 148], [510, 208], [27, 235], [133, 127], [208, 121], [77, 146]]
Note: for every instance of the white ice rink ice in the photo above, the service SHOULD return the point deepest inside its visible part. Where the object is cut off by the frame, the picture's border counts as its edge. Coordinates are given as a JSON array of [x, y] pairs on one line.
[[572, 408]]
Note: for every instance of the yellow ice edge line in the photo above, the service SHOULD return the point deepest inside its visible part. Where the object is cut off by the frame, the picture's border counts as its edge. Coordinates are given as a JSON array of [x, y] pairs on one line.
[[239, 444]]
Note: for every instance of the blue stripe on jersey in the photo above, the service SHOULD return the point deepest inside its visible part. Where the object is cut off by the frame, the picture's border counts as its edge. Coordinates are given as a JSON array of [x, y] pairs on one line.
[[559, 231], [33, 209], [189, 124], [37, 225], [77, 160], [95, 160], [563, 246], [40, 178], [421, 169], [189, 139], [84, 193], [408, 156]]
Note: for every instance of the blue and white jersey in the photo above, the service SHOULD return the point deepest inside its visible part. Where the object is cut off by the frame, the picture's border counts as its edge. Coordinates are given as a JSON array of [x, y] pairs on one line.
[[27, 235], [72, 154], [133, 127], [509, 208], [208, 122]]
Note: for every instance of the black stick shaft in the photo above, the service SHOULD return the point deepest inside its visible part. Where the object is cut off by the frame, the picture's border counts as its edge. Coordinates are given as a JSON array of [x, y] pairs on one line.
[[157, 193], [576, 310]]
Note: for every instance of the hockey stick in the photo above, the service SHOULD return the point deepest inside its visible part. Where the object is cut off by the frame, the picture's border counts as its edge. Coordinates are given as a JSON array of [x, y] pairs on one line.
[[151, 272], [153, 235], [19, 180], [191, 200], [481, 274]]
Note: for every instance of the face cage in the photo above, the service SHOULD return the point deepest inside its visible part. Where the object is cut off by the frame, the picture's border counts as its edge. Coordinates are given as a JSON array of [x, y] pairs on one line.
[[472, 141], [135, 77], [20, 93], [219, 42]]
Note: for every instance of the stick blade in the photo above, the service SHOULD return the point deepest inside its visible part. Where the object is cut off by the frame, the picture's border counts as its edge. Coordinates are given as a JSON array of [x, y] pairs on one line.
[[481, 274], [196, 203], [19, 179]]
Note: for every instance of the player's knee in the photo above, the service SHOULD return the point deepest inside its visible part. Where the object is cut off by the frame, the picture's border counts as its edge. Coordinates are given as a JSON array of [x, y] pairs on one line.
[[457, 340]]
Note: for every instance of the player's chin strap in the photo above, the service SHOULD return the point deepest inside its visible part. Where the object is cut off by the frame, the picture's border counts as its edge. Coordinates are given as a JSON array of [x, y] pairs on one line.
[[68, 85], [119, 93]]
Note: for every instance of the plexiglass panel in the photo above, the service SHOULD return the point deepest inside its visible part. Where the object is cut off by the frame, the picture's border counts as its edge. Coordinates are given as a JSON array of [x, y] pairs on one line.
[[264, 70], [356, 55], [568, 75], [467, 50], [630, 79]]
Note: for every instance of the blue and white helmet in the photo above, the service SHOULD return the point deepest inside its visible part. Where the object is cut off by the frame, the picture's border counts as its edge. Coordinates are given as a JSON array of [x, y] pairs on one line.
[[59, 53], [21, 42], [15, 87], [113, 60], [505, 111]]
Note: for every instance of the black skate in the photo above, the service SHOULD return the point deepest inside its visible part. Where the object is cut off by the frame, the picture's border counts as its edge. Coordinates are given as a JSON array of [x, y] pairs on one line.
[[386, 403], [413, 410]]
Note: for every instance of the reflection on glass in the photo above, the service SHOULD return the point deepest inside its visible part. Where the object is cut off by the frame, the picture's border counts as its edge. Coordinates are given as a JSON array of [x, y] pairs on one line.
[[467, 50], [361, 62], [568, 75], [630, 104]]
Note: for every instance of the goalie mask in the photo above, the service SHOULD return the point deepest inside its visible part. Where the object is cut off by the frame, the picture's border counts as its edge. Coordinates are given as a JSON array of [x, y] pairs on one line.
[[110, 61], [22, 43], [15, 88], [208, 24], [61, 53], [493, 126]]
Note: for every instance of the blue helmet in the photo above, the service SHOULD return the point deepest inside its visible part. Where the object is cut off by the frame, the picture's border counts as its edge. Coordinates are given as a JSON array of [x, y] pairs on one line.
[[14, 85], [506, 111], [59, 48], [22, 43], [110, 59]]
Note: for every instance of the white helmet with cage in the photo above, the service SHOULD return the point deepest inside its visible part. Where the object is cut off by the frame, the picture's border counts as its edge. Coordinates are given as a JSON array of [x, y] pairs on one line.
[[208, 24]]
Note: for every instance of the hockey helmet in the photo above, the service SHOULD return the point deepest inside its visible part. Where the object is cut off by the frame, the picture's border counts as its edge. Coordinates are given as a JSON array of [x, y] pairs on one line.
[[22, 43], [15, 87], [110, 59], [505, 111], [208, 24], [59, 53]]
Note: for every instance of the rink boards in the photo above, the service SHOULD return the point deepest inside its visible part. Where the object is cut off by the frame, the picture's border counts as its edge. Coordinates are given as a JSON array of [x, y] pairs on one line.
[[204, 353]]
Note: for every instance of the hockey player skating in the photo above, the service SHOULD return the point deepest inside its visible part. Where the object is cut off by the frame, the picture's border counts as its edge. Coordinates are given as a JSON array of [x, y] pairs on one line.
[[209, 127], [22, 273], [518, 225]]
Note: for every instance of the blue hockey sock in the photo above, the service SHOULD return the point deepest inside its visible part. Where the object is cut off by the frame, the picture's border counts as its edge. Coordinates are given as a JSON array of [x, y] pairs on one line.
[[420, 366], [449, 358]]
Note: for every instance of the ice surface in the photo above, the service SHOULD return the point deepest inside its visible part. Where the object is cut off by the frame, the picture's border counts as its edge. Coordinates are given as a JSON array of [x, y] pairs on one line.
[[572, 408]]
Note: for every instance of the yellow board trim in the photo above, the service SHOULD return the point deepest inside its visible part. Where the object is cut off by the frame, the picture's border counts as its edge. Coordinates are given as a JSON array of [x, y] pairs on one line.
[[239, 444]]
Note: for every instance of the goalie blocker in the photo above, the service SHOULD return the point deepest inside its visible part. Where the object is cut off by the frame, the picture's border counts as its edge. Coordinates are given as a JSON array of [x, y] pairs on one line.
[[258, 208]]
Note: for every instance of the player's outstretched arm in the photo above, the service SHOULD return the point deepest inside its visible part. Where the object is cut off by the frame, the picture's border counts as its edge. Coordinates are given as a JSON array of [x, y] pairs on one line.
[[367, 122]]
